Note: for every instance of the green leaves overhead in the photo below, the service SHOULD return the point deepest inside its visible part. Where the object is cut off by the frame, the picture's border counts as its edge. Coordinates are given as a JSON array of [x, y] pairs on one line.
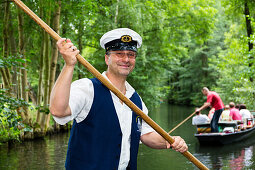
[[187, 44]]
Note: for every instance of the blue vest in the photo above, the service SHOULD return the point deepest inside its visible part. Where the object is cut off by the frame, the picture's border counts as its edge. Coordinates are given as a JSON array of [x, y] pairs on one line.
[[95, 143]]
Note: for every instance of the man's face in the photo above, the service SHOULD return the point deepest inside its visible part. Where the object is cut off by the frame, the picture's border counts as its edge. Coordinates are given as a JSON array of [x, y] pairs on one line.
[[120, 63], [205, 92]]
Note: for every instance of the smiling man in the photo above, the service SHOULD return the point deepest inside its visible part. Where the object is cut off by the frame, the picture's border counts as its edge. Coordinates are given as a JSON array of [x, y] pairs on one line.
[[106, 132]]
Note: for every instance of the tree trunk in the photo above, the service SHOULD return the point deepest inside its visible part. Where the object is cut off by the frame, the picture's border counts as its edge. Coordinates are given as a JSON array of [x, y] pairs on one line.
[[14, 53], [249, 32], [40, 82], [204, 59], [54, 57], [116, 13], [24, 92], [6, 83], [39, 92], [45, 80], [31, 94], [4, 71], [46, 76]]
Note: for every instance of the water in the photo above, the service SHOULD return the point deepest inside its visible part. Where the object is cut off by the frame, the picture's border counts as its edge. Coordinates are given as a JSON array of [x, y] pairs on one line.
[[41, 154], [50, 153]]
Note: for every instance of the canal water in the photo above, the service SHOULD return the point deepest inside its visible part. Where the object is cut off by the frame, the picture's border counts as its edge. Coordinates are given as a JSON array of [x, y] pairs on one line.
[[49, 153]]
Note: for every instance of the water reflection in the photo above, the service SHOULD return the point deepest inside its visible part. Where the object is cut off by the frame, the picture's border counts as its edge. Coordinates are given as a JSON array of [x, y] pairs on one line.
[[48, 153], [233, 156], [241, 160]]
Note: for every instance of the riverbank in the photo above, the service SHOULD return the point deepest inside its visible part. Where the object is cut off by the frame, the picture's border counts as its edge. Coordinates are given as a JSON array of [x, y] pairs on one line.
[[35, 134]]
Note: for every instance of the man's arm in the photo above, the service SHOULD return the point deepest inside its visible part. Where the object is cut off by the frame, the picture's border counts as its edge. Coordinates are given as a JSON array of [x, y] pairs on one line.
[[59, 99], [203, 107], [155, 141]]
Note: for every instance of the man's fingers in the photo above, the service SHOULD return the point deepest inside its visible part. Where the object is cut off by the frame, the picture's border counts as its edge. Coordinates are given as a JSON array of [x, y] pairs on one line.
[[68, 40], [63, 42], [179, 144], [60, 41], [76, 52]]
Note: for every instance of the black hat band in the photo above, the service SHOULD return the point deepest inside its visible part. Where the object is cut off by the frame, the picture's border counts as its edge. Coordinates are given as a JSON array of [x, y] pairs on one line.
[[118, 45]]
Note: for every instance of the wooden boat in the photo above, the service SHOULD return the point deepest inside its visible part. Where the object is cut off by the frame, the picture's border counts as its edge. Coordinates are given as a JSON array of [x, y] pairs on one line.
[[229, 132]]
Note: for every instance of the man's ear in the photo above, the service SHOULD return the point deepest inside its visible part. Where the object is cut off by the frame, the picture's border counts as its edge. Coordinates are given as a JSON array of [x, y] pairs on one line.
[[106, 59]]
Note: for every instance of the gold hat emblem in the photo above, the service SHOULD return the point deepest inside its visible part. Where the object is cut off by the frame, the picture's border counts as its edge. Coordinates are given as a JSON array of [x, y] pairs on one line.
[[126, 38]]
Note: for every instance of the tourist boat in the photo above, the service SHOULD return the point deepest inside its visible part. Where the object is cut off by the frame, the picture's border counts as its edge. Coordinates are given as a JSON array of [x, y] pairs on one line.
[[229, 132]]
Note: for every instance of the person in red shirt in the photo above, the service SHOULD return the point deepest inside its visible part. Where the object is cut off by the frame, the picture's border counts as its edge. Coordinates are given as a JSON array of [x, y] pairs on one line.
[[213, 100], [234, 112]]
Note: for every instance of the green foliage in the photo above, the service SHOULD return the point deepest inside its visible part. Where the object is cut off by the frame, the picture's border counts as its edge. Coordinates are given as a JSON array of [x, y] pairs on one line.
[[183, 43], [187, 44], [236, 68], [12, 61], [9, 119]]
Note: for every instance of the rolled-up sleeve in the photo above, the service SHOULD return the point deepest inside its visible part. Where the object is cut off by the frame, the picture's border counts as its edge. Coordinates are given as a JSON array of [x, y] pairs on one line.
[[80, 101]]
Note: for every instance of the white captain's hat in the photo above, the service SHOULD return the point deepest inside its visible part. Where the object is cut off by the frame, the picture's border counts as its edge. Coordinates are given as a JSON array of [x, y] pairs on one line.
[[121, 39]]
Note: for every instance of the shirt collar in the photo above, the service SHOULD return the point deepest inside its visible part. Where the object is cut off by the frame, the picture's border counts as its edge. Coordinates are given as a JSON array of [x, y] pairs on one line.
[[130, 90]]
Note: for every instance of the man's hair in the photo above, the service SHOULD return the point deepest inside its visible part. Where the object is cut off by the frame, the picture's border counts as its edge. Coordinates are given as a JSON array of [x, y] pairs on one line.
[[231, 104], [205, 89]]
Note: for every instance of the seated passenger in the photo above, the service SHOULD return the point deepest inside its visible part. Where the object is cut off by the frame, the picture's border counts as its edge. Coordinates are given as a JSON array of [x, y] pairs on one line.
[[225, 114], [234, 113], [237, 106], [246, 114], [199, 118]]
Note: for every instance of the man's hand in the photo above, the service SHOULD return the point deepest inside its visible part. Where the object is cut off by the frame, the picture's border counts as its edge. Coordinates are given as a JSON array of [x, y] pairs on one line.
[[68, 51], [179, 144]]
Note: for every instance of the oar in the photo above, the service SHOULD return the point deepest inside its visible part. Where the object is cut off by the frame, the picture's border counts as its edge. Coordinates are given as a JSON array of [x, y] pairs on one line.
[[181, 123], [99, 76]]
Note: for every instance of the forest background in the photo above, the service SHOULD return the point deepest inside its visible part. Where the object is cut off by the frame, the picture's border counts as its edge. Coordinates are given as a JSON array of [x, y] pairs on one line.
[[187, 44]]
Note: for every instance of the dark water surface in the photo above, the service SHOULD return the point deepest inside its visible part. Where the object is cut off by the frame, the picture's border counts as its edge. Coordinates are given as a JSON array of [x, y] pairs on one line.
[[50, 153]]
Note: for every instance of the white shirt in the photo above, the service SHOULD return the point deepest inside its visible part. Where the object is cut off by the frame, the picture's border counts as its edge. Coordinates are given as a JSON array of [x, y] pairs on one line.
[[245, 114], [80, 102], [198, 119]]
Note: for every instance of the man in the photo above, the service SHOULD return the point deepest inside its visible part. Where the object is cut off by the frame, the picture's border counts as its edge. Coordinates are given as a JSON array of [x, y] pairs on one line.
[[199, 118], [213, 100], [105, 133], [234, 112]]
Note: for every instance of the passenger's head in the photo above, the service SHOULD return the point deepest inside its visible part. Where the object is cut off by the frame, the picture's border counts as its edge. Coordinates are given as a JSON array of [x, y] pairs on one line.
[[242, 106], [227, 107], [197, 113], [237, 106], [231, 105]]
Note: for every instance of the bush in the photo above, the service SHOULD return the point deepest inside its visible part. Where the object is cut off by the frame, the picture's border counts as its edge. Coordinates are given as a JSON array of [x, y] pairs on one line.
[[9, 119]]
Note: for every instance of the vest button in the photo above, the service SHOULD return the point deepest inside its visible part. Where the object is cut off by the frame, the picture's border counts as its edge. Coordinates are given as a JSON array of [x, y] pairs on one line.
[[119, 145]]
